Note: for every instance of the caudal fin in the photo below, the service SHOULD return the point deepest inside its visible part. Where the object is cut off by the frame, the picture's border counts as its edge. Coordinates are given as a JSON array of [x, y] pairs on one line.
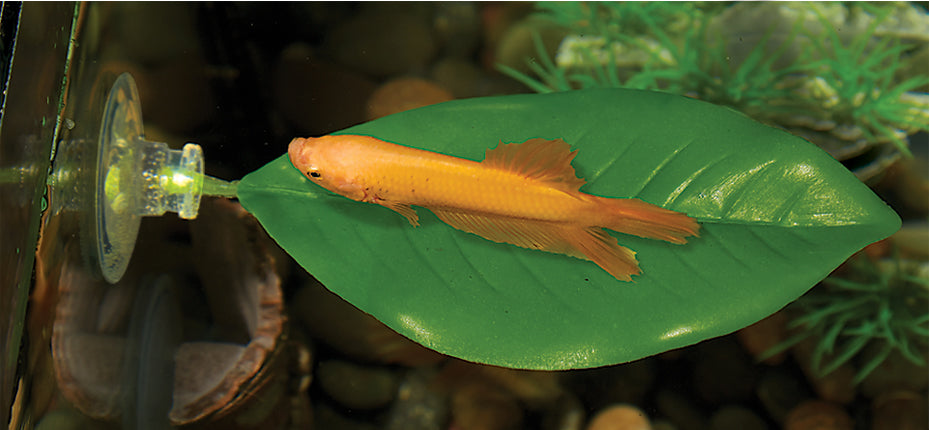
[[635, 217]]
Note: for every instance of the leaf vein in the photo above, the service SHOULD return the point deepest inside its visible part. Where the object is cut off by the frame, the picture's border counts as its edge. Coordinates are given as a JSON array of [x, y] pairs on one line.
[[660, 167]]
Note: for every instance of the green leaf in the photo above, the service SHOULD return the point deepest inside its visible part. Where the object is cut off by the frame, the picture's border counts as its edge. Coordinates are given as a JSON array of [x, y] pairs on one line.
[[777, 215]]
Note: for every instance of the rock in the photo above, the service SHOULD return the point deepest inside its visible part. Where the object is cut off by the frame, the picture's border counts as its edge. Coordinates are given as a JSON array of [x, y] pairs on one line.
[[460, 76], [723, 372], [895, 373], [780, 392], [736, 418], [342, 326], [679, 410], [383, 44], [317, 96], [537, 389], [355, 386], [567, 413], [403, 94], [836, 386], [818, 415], [905, 184], [516, 46], [912, 238], [301, 412], [619, 417], [496, 21], [662, 424], [419, 405], [624, 383], [457, 27], [744, 26], [481, 406], [901, 410], [763, 335], [326, 418]]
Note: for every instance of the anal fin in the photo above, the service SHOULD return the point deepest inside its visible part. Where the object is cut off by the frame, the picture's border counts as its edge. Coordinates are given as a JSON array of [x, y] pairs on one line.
[[588, 243], [601, 248]]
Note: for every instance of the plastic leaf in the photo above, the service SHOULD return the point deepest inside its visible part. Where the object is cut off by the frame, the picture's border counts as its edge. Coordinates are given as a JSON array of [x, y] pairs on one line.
[[777, 215]]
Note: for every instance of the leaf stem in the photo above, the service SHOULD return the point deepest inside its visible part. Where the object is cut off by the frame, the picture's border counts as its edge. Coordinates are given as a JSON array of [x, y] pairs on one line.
[[219, 188]]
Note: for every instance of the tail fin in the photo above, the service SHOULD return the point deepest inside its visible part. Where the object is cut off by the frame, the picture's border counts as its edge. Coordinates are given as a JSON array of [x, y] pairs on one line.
[[635, 217]]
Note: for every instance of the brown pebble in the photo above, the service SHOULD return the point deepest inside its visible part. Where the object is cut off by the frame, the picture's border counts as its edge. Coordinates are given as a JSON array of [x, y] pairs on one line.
[[480, 406], [358, 387], [566, 413], [457, 27], [895, 373], [836, 386], [818, 415], [420, 404], [680, 410], [403, 94], [324, 417], [335, 322], [517, 46], [460, 76], [901, 410], [780, 392], [620, 417], [385, 43], [625, 383], [723, 373], [535, 388], [763, 335], [736, 418]]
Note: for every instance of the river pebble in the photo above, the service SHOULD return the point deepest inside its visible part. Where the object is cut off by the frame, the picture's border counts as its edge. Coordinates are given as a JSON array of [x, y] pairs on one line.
[[733, 417], [818, 415], [620, 417], [357, 386], [402, 94], [383, 44]]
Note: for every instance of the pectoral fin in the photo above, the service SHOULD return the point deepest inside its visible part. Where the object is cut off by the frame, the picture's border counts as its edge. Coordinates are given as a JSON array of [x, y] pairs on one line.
[[401, 209]]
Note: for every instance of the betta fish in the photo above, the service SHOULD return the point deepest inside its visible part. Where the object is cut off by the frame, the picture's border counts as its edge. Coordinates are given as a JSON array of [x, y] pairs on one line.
[[526, 194]]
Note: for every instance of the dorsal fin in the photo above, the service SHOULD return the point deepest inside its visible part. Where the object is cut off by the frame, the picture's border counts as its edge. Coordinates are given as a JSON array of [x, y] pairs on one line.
[[544, 160]]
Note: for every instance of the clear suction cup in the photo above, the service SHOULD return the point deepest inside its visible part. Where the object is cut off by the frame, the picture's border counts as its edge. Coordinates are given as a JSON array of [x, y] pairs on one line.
[[136, 177], [117, 177]]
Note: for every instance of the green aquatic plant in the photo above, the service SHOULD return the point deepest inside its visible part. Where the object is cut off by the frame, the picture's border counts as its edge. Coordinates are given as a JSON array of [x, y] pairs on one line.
[[857, 83], [618, 20], [849, 86], [885, 302], [675, 54]]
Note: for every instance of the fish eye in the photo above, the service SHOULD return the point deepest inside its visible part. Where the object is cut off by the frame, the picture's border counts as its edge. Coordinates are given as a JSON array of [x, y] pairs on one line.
[[314, 173]]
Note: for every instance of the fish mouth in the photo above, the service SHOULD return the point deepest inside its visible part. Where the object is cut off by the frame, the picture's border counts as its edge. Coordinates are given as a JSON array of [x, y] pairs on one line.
[[299, 152]]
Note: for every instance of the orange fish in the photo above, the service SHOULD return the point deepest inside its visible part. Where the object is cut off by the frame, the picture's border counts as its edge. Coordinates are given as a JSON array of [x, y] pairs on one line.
[[525, 194]]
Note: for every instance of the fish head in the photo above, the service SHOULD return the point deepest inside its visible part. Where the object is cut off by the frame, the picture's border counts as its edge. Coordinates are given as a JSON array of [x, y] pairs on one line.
[[328, 161]]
